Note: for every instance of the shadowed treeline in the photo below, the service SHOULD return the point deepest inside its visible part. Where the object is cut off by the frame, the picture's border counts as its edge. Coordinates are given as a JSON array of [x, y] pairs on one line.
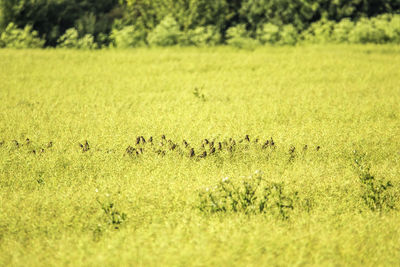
[[129, 23]]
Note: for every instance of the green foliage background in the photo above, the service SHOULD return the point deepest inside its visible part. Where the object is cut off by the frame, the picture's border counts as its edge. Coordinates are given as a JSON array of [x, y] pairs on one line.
[[52, 18]]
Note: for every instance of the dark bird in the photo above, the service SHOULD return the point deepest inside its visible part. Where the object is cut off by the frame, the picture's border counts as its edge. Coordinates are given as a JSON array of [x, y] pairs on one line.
[[185, 143], [85, 147], [191, 153], [138, 140], [265, 145], [129, 150], [318, 148], [203, 155], [151, 139], [143, 140], [212, 150], [247, 138], [50, 144]]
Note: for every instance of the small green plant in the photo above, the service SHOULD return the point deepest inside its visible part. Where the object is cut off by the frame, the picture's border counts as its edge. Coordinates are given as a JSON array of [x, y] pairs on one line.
[[251, 195], [198, 94], [114, 217], [376, 193]]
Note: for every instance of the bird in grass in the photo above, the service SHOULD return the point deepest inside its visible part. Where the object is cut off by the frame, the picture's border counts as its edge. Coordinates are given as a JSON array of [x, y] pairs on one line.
[[191, 153]]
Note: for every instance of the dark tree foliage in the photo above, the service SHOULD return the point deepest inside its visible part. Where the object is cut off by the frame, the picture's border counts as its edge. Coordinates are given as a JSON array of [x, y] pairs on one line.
[[52, 17]]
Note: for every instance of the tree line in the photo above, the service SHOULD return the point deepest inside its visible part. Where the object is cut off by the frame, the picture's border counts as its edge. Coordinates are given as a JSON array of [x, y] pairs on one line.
[[129, 23]]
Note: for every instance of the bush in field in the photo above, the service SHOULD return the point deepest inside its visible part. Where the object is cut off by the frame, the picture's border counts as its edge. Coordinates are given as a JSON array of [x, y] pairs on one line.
[[71, 39], [127, 37], [289, 35], [268, 33], [250, 195], [237, 36], [167, 33], [366, 32], [202, 36], [319, 32], [13, 37], [341, 31], [377, 194]]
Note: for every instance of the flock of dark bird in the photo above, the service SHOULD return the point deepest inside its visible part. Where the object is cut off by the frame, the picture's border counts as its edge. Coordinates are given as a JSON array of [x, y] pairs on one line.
[[207, 147]]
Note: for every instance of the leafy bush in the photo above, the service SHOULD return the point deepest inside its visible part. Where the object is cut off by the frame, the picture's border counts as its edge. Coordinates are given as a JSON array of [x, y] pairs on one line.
[[51, 18], [251, 195], [319, 32], [127, 37], [13, 37], [376, 193], [366, 32], [167, 33], [71, 39], [341, 31], [289, 35], [268, 33], [201, 36], [237, 36]]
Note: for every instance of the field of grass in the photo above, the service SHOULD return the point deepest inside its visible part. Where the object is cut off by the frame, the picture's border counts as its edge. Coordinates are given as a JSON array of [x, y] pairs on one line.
[[78, 187]]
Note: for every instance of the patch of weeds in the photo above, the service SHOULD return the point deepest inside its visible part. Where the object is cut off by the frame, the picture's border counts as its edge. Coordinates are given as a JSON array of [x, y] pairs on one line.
[[98, 233], [40, 180], [250, 195], [198, 94], [113, 216], [376, 193]]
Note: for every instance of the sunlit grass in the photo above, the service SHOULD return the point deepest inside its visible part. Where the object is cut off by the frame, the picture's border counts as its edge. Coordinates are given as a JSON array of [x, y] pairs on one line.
[[67, 202]]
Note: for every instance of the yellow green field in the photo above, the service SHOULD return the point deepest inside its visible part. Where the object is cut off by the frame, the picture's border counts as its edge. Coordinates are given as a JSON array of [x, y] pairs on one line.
[[77, 190]]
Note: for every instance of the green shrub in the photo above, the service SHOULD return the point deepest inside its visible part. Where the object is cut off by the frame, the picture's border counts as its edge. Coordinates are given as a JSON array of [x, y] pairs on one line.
[[250, 195], [202, 36], [70, 39], [13, 37], [341, 31], [319, 32], [365, 31], [128, 37], [289, 35], [377, 194], [237, 36], [167, 33], [268, 33], [389, 25]]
